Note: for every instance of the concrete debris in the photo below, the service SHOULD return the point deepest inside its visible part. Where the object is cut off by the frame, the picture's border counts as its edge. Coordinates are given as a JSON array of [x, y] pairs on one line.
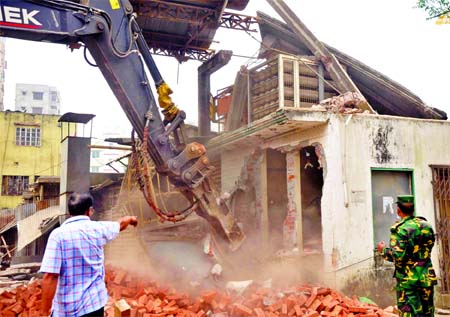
[[348, 103], [138, 297], [216, 271], [121, 308], [238, 287]]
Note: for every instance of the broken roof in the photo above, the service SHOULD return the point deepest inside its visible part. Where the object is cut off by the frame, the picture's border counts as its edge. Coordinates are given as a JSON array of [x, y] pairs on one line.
[[384, 95], [183, 29]]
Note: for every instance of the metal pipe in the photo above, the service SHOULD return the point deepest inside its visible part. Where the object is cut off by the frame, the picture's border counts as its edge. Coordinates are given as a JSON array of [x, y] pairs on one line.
[[122, 148]]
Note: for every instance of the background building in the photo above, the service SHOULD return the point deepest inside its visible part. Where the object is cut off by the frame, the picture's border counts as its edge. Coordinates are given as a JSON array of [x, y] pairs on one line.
[[106, 155], [37, 99], [29, 147]]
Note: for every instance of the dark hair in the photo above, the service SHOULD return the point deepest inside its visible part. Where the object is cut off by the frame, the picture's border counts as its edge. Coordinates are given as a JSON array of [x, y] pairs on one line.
[[79, 203], [406, 208]]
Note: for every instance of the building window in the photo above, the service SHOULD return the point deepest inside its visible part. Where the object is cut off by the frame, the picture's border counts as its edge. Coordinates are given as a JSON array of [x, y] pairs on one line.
[[95, 169], [95, 154], [37, 110], [14, 185], [28, 136], [38, 95], [24, 93], [53, 96]]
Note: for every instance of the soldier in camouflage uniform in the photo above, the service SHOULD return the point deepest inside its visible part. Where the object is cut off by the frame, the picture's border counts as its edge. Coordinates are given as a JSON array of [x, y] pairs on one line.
[[410, 247]]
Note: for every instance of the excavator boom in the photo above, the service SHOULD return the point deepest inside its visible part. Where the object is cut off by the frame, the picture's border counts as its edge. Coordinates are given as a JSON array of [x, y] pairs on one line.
[[109, 31]]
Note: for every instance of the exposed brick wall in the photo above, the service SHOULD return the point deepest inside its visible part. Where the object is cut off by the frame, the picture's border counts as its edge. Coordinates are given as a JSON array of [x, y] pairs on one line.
[[127, 250]]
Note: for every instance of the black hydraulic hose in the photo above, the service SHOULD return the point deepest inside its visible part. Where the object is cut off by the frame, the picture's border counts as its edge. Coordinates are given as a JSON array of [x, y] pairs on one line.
[[148, 58]]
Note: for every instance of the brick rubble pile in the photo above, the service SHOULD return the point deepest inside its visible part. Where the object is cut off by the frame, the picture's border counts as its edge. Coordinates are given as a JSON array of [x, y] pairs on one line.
[[135, 297]]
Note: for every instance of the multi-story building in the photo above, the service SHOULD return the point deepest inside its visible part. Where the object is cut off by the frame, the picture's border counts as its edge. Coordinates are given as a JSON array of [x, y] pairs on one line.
[[106, 156], [2, 72], [37, 99], [29, 147]]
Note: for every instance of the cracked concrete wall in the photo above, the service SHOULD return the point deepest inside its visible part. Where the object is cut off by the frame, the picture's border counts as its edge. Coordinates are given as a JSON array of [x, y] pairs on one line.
[[352, 145], [364, 142], [232, 163]]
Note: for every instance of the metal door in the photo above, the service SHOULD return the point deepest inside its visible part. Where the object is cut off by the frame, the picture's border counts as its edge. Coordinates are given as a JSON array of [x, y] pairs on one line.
[[441, 193], [386, 186]]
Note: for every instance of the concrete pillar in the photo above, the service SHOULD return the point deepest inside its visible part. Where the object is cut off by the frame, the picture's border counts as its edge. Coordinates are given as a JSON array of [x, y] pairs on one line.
[[261, 195], [292, 229], [75, 161], [204, 88]]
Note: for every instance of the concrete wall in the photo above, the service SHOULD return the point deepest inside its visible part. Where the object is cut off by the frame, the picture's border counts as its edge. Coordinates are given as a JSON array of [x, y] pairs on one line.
[[382, 142], [232, 163], [43, 160], [353, 146]]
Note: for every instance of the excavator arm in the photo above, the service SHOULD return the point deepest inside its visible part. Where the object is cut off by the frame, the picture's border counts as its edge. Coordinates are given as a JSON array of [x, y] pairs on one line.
[[109, 31]]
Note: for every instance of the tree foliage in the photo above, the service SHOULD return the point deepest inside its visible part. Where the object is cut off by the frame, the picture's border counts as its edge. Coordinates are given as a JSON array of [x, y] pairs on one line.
[[434, 8]]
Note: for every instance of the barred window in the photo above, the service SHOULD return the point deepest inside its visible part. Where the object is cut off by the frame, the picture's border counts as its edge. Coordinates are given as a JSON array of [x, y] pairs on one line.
[[28, 136], [14, 185]]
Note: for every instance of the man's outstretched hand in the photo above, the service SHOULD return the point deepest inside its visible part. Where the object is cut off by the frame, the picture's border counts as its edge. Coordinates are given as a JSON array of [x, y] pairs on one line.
[[127, 220], [134, 221]]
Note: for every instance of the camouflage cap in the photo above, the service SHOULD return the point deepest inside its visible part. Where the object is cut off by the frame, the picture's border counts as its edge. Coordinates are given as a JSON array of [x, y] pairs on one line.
[[405, 199]]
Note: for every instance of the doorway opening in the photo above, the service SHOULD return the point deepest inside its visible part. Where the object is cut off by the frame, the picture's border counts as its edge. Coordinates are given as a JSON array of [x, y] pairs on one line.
[[276, 197], [311, 180]]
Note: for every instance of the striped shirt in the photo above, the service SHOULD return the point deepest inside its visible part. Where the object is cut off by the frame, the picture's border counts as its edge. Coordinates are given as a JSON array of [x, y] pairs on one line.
[[75, 252]]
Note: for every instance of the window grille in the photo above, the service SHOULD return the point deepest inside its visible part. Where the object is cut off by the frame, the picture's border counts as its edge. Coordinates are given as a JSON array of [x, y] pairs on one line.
[[28, 136]]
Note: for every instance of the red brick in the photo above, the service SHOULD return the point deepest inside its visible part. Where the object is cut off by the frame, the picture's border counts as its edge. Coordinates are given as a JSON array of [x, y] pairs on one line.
[[259, 312], [242, 309], [310, 299], [298, 311], [284, 309], [355, 309], [208, 296], [120, 275]]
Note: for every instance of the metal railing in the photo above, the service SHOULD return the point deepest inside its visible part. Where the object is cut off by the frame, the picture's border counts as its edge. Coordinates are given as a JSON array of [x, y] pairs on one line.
[[441, 193], [9, 217]]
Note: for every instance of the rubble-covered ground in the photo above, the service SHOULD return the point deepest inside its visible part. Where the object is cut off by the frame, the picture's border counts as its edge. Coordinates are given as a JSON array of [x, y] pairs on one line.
[[135, 296]]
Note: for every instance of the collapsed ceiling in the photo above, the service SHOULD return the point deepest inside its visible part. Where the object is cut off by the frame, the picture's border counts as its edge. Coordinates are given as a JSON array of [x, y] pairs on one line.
[[384, 95]]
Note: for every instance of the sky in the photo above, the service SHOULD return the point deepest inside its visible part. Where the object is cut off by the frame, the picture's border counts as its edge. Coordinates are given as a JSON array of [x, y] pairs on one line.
[[390, 36]]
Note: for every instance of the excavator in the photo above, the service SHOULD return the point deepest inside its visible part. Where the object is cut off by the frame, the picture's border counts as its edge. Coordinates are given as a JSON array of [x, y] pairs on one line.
[[109, 31]]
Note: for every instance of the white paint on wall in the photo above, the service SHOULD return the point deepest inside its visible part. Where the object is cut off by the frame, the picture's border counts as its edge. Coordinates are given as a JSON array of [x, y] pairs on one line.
[[232, 163], [352, 148]]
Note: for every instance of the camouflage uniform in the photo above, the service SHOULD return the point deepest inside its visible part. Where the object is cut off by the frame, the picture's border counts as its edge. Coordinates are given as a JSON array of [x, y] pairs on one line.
[[410, 247]]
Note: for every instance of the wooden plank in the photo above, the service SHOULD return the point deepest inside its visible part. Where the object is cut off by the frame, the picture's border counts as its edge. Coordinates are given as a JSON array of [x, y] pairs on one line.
[[238, 101], [338, 74], [264, 201], [6, 247]]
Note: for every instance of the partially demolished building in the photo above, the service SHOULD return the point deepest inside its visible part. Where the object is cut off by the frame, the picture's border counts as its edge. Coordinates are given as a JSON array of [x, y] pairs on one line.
[[317, 146]]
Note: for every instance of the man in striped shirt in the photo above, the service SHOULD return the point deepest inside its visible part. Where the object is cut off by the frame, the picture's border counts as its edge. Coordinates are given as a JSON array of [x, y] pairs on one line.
[[73, 262]]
